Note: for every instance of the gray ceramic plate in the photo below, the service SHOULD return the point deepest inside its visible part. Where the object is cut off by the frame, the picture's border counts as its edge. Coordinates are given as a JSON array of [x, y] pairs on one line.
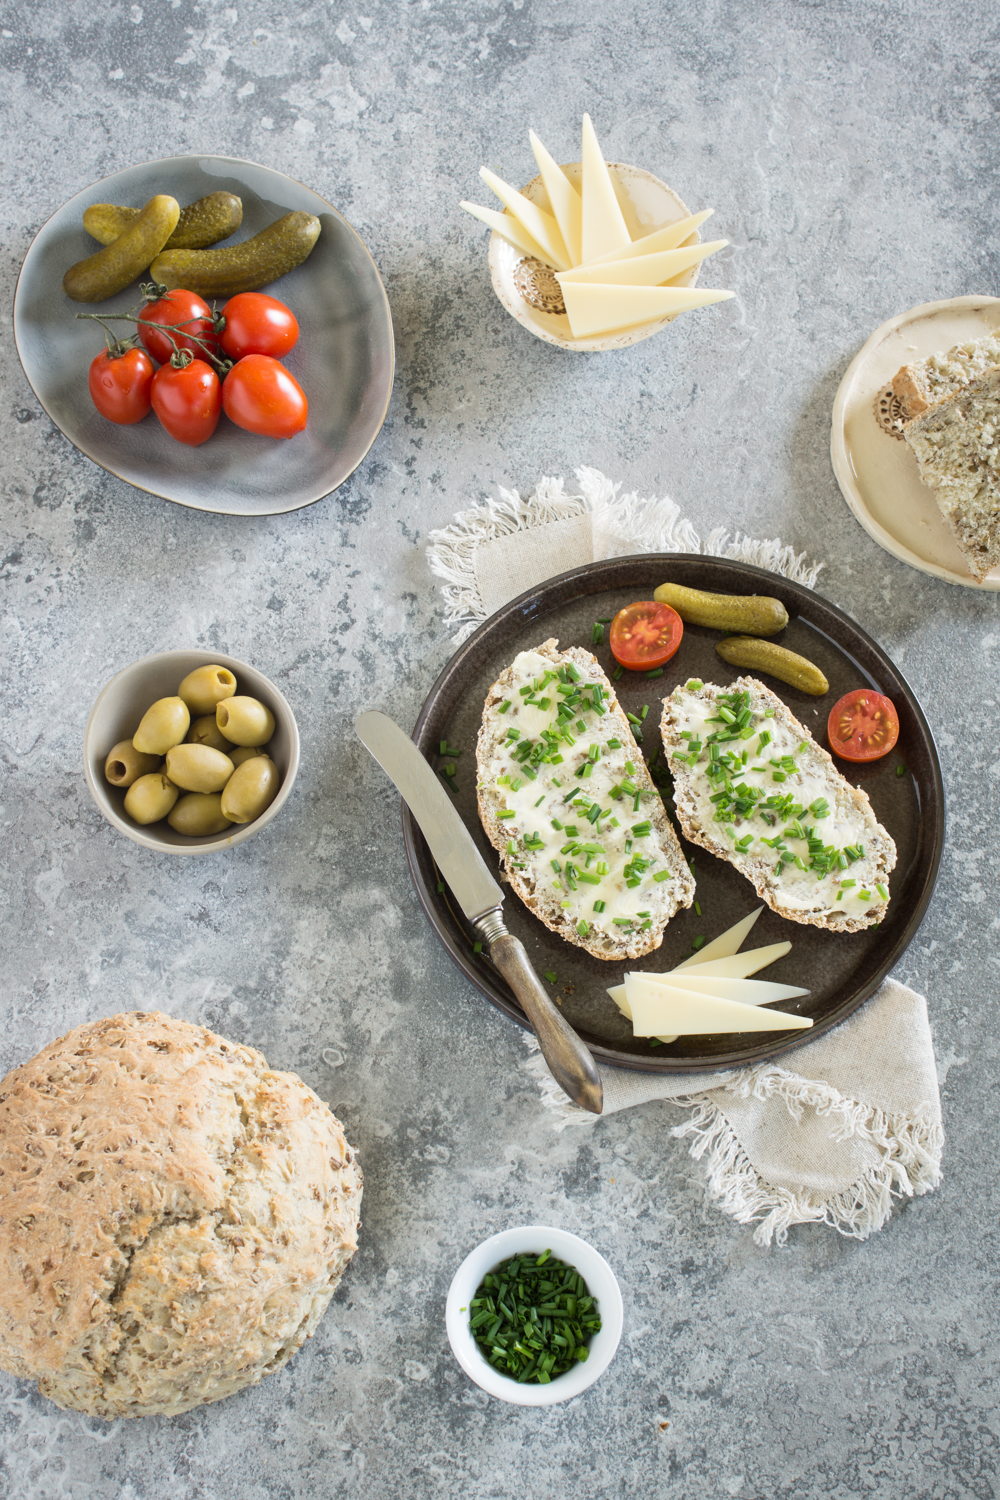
[[343, 360], [840, 969]]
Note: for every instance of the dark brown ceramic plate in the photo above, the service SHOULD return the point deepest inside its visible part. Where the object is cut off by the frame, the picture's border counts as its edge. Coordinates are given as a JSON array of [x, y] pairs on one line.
[[840, 970]]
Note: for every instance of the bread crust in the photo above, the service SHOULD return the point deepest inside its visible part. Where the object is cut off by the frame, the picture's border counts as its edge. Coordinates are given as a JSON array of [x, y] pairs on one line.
[[680, 889], [757, 871], [174, 1216]]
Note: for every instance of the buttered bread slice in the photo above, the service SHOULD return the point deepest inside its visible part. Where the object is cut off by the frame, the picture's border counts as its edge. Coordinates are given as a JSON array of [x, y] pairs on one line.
[[567, 801], [752, 786]]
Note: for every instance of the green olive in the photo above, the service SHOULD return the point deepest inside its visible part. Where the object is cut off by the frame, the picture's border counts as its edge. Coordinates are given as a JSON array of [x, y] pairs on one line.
[[126, 764], [150, 798], [198, 768], [198, 813], [239, 753], [205, 731], [162, 726], [252, 787], [245, 721], [203, 688]]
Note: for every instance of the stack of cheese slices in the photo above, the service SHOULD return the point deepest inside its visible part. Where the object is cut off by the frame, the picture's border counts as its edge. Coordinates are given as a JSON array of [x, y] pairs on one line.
[[609, 281], [710, 992]]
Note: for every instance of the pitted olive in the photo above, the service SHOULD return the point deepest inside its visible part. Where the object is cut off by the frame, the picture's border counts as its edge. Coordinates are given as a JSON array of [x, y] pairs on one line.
[[252, 787], [245, 721], [150, 798], [203, 688], [198, 768], [239, 753], [197, 814], [162, 726], [126, 764], [205, 731]]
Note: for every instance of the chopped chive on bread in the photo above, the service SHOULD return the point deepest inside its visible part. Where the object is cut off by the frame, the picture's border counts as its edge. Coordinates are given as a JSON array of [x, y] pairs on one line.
[[784, 817], [922, 385], [956, 443], [567, 800]]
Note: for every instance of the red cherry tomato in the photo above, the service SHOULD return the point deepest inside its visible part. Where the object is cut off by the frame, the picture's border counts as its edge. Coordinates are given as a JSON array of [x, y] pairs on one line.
[[260, 395], [645, 635], [188, 401], [183, 313], [119, 386], [256, 324], [863, 725]]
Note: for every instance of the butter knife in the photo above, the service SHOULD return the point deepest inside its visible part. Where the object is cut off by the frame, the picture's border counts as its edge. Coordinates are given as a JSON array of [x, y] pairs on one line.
[[481, 898]]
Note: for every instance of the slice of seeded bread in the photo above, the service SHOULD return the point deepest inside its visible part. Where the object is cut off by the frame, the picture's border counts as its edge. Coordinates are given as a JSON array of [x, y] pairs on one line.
[[535, 885], [696, 814], [921, 385], [957, 447]]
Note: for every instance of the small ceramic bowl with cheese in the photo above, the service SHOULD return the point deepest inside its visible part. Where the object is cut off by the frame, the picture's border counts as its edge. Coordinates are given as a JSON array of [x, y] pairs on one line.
[[602, 1285], [529, 290]]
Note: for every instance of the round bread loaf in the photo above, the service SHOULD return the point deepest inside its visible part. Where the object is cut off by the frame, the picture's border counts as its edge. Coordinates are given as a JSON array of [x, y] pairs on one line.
[[174, 1216]]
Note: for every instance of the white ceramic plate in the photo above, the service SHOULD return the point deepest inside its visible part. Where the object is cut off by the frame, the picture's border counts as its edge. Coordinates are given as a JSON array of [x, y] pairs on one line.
[[877, 472], [646, 203]]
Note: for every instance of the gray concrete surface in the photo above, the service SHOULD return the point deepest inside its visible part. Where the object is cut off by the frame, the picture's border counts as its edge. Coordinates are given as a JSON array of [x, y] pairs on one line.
[[851, 152]]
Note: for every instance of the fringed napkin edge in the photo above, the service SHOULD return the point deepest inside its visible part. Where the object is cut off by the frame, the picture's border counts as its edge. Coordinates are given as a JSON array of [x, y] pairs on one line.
[[637, 524]]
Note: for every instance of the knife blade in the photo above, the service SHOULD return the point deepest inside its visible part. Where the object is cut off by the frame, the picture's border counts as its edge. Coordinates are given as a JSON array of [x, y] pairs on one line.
[[481, 898]]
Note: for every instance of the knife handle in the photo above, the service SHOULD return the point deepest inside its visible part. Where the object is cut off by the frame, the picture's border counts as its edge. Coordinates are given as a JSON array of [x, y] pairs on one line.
[[569, 1061]]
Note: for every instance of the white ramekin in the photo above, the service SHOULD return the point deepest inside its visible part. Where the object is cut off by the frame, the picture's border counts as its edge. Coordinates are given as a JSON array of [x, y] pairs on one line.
[[600, 1281]]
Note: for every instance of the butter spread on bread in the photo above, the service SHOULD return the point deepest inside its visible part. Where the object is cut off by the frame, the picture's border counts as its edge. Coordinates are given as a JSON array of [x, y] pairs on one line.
[[752, 786], [566, 799]]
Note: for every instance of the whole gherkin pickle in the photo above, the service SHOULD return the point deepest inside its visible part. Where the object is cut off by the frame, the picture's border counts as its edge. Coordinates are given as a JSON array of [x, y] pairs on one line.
[[751, 614], [210, 219], [245, 267], [765, 656], [112, 269]]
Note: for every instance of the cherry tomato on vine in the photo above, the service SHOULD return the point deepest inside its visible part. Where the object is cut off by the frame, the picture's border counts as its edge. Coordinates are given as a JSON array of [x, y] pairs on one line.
[[188, 401], [178, 307], [259, 395], [645, 635], [863, 725], [119, 385], [256, 324]]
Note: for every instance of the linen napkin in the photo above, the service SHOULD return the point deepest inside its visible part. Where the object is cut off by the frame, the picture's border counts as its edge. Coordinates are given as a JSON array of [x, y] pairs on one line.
[[843, 1125]]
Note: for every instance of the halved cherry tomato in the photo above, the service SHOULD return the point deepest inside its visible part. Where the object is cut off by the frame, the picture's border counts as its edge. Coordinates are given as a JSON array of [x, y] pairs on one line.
[[119, 385], [188, 401], [183, 308], [256, 324], [863, 725], [645, 635], [259, 395]]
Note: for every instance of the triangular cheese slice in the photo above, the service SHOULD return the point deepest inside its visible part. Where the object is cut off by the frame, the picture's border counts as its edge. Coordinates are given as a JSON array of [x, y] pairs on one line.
[[567, 205], [725, 945], [604, 227], [595, 308], [744, 991], [738, 965], [512, 230], [659, 1010], [540, 225], [660, 239], [644, 270]]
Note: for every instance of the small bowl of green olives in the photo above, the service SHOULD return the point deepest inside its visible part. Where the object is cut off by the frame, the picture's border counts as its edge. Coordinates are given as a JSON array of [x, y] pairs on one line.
[[190, 752]]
